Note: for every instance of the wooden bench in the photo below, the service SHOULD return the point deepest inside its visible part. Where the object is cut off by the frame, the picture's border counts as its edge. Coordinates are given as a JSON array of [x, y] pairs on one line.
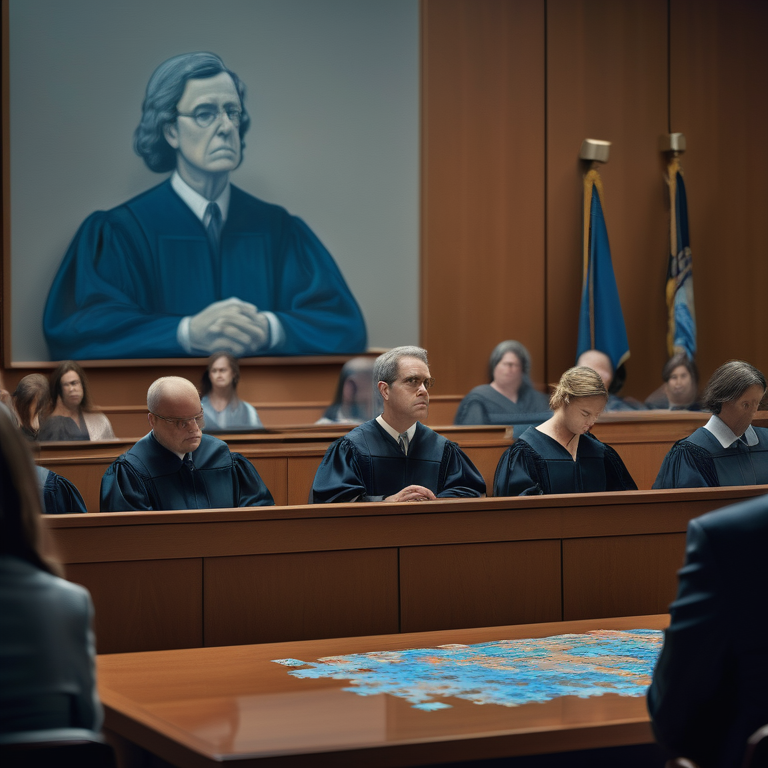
[[226, 577]]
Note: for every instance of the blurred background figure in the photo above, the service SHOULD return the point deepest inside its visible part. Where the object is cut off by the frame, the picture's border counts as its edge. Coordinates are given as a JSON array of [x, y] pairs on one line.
[[5, 397], [560, 455], [31, 398], [614, 380], [680, 390], [727, 450], [510, 392], [73, 415], [224, 410], [47, 650], [357, 397]]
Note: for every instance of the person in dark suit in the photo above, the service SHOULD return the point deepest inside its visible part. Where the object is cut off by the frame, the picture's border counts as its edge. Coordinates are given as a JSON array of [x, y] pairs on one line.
[[710, 687], [47, 654]]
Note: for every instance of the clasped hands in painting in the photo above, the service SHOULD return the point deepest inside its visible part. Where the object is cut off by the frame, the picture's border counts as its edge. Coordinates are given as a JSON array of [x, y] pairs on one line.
[[230, 325]]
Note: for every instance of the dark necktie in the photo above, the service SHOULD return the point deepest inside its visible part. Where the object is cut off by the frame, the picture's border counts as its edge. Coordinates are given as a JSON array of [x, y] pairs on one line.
[[402, 441], [214, 226]]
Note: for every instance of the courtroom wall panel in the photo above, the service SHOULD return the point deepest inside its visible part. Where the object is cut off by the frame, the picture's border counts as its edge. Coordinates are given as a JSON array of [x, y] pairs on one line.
[[482, 218], [300, 596], [719, 81], [472, 585], [144, 605], [607, 79]]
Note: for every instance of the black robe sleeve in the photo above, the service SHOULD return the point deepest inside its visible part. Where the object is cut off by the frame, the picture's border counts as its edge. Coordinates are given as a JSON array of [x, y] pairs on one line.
[[520, 472], [687, 466]]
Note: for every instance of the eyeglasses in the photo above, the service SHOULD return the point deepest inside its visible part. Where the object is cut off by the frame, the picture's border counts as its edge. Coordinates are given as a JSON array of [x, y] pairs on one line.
[[205, 116], [414, 382], [182, 424]]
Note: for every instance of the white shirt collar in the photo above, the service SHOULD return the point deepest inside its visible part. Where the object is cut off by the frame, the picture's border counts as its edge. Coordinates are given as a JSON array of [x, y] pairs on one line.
[[725, 435], [197, 203], [392, 432]]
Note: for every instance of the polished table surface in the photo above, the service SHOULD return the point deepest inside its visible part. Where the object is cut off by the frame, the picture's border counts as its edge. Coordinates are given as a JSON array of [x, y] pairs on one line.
[[204, 706]]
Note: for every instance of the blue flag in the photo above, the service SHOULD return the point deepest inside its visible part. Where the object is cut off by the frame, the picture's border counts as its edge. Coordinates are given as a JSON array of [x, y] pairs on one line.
[[681, 325], [601, 322]]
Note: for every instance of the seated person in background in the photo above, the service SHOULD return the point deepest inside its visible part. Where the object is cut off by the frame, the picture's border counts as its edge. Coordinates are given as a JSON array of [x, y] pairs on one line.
[[5, 398], [727, 450], [224, 411], [73, 416], [31, 398], [510, 392], [613, 380], [176, 466], [47, 654], [357, 399], [680, 390], [708, 693], [394, 457], [560, 455]]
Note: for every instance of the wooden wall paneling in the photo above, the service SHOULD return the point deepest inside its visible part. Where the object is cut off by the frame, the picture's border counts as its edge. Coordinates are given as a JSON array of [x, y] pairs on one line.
[[485, 458], [144, 605], [607, 79], [301, 475], [719, 81], [274, 472], [482, 222], [479, 585], [308, 596], [620, 575]]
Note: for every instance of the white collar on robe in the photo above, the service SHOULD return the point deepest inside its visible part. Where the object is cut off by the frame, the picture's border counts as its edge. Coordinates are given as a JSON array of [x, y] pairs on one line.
[[725, 435], [197, 203], [411, 431]]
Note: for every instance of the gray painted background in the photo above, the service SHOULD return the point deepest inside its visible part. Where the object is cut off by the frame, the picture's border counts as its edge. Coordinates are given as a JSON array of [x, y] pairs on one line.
[[332, 89]]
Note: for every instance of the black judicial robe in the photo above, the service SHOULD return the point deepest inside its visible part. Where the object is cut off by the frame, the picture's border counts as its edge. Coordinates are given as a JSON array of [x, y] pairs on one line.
[[538, 464], [60, 496], [700, 461], [149, 477], [368, 465], [484, 405]]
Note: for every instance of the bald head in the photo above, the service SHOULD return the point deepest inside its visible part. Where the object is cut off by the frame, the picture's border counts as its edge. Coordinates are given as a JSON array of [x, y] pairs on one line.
[[171, 401], [599, 362]]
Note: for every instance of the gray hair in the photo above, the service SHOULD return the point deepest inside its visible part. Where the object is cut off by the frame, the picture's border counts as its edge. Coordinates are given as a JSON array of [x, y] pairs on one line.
[[729, 382], [517, 349], [164, 386], [387, 366]]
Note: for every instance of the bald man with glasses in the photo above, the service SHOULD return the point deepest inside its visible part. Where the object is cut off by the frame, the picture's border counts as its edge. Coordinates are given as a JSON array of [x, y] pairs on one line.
[[395, 457], [176, 466]]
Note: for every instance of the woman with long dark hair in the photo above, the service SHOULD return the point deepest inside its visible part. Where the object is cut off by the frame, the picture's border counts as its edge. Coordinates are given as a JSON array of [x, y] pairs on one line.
[[224, 410]]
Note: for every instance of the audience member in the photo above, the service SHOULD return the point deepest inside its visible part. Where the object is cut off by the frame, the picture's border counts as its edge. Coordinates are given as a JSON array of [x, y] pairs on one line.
[[176, 466], [680, 390], [708, 693], [5, 398], [47, 658], [727, 450], [614, 380], [224, 411], [73, 416], [510, 392], [395, 457], [357, 398], [561, 455], [31, 399]]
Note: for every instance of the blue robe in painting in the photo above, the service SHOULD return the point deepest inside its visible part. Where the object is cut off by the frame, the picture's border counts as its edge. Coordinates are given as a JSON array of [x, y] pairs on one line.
[[538, 464], [131, 274], [149, 477], [700, 461], [368, 465]]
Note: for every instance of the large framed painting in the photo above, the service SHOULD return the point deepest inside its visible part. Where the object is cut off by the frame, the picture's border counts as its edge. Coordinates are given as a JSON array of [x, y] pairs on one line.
[[182, 176]]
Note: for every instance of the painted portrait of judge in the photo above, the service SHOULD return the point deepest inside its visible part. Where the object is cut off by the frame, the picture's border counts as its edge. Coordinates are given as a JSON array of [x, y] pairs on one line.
[[195, 264]]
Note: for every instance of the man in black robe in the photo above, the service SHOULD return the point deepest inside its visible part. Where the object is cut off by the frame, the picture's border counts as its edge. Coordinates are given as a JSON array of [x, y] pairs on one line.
[[176, 466], [394, 457]]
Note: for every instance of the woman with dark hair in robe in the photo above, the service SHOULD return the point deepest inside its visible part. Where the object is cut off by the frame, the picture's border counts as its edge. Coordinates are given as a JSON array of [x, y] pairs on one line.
[[561, 455], [224, 410], [727, 450], [73, 416], [510, 392], [47, 653]]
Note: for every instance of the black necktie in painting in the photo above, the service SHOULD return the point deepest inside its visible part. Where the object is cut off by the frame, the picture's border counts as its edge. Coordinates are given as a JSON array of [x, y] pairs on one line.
[[214, 238]]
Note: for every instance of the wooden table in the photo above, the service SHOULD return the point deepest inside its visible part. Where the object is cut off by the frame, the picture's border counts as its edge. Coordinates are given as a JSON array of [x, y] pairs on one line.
[[201, 706]]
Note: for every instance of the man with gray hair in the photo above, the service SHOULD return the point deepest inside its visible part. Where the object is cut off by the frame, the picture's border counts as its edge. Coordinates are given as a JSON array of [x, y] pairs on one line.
[[394, 457], [176, 466]]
